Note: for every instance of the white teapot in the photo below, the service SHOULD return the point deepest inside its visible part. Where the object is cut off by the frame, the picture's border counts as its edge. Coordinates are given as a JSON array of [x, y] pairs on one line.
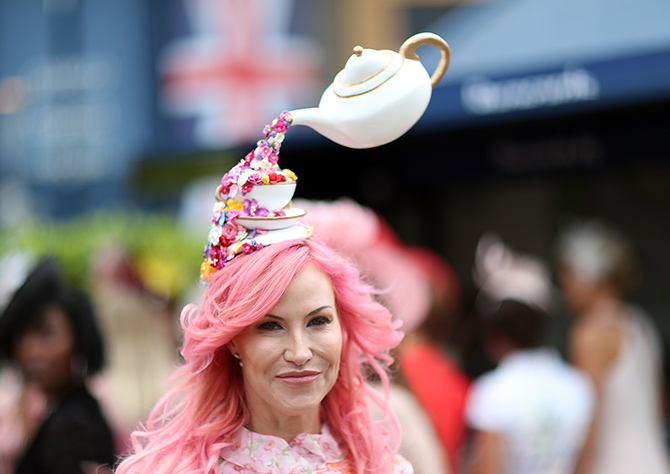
[[378, 96]]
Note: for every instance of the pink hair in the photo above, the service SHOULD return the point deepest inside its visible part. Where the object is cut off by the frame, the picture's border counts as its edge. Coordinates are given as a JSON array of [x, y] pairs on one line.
[[206, 404]]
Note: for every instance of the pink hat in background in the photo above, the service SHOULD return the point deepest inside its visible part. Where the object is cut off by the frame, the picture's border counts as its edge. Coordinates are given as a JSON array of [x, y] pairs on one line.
[[361, 235]]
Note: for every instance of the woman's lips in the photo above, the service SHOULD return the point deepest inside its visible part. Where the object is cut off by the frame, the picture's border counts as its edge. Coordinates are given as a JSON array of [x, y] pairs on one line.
[[298, 378]]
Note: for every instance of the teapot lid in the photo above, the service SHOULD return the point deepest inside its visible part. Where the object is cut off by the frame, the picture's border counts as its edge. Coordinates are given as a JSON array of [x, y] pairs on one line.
[[365, 70]]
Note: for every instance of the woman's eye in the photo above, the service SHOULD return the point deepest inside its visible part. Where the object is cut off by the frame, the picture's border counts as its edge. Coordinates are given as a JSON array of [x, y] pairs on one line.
[[269, 326], [319, 321]]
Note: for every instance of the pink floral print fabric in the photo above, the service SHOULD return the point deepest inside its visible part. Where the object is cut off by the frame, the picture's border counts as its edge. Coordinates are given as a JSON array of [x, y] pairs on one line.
[[305, 454]]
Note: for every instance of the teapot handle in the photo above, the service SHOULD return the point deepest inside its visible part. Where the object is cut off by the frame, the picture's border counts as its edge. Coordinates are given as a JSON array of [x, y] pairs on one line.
[[407, 50]]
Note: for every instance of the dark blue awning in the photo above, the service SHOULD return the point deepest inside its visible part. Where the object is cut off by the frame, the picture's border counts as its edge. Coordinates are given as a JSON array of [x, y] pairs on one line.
[[517, 59]]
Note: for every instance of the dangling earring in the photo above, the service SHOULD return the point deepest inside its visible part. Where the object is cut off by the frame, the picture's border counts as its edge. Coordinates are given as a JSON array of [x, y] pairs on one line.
[[237, 356]]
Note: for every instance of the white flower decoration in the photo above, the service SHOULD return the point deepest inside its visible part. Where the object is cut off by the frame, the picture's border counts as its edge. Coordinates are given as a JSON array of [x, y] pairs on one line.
[[214, 234], [244, 177]]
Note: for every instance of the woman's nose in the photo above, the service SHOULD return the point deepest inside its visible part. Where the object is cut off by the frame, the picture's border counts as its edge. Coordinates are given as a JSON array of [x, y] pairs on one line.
[[298, 350]]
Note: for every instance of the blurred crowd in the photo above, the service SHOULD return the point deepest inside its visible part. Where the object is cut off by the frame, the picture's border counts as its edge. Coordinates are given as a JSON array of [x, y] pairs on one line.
[[81, 369]]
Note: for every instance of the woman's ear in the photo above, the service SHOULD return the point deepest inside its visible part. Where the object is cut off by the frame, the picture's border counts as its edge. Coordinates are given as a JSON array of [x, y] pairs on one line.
[[232, 347]]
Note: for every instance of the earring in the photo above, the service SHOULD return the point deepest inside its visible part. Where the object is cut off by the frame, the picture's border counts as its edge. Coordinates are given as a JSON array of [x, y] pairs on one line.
[[237, 356]]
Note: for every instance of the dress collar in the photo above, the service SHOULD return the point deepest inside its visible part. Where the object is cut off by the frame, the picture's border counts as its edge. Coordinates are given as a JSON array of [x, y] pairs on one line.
[[266, 453]]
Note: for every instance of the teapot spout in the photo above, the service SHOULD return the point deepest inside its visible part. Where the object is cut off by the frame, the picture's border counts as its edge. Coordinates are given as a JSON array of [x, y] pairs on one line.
[[324, 123]]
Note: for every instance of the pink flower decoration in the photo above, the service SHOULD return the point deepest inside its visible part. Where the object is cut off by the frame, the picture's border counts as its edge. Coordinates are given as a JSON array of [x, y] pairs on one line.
[[246, 187], [233, 190], [265, 150], [217, 257], [229, 231], [273, 157], [255, 178], [247, 247], [252, 208], [280, 127], [232, 215]]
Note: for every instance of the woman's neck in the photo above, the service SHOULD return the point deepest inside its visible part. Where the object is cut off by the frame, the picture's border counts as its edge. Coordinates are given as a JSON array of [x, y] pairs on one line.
[[286, 428], [55, 395]]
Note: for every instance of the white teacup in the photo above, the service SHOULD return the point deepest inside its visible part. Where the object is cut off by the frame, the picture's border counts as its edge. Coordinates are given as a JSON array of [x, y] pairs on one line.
[[272, 197]]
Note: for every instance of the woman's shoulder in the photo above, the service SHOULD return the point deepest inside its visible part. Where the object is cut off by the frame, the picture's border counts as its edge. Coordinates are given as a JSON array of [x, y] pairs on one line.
[[77, 410], [78, 418]]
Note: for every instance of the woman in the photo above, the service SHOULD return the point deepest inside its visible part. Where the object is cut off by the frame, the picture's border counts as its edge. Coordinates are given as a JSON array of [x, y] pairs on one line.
[[48, 331], [277, 358], [274, 372], [616, 344]]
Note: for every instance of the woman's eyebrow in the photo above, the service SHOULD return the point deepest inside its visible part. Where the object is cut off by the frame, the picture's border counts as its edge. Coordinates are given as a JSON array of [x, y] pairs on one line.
[[311, 313], [274, 317], [318, 310]]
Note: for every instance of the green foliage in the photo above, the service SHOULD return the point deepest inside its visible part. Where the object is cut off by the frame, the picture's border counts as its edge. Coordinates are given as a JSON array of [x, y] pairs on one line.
[[168, 258]]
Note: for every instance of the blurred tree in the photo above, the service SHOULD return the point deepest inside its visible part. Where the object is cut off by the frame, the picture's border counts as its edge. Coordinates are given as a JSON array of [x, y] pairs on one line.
[[167, 257]]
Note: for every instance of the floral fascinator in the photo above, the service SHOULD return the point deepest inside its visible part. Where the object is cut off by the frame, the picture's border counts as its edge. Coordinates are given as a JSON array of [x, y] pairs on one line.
[[500, 273], [253, 204]]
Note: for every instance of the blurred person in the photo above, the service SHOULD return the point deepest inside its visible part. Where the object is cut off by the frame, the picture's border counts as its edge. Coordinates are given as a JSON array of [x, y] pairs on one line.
[[427, 362], [140, 341], [617, 345], [530, 414], [49, 333], [22, 405], [429, 391]]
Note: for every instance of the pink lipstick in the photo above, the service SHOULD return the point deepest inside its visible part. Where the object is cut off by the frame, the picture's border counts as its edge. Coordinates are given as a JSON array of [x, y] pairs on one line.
[[298, 378]]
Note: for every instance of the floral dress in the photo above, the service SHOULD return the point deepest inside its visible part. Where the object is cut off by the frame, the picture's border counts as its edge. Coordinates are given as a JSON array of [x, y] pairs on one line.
[[305, 454]]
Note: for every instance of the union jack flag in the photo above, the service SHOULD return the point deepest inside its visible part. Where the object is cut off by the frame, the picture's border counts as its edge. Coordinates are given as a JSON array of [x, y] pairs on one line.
[[239, 68]]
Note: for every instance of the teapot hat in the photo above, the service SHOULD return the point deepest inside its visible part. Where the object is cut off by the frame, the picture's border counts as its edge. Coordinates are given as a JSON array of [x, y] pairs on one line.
[[374, 100]]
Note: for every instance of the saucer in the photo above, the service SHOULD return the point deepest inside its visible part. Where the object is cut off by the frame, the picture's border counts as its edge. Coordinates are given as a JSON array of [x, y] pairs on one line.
[[292, 216]]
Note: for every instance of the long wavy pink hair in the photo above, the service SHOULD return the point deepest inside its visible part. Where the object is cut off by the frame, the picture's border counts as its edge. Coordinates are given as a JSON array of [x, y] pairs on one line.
[[206, 404]]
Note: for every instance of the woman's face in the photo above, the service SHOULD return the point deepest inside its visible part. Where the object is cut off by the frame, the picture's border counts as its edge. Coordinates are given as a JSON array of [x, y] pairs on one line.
[[291, 357], [578, 292], [44, 352]]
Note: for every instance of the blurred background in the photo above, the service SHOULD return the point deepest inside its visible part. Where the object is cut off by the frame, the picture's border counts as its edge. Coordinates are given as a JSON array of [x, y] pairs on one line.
[[117, 118]]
